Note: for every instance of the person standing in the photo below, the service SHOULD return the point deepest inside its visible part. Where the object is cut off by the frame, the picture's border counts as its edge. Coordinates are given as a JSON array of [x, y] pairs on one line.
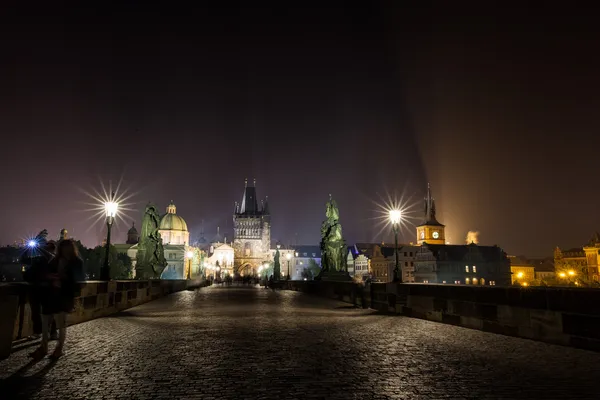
[[34, 275], [59, 294]]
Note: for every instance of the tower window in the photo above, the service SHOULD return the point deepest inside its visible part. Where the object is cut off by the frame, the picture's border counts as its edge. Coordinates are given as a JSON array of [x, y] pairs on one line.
[[474, 268], [466, 268]]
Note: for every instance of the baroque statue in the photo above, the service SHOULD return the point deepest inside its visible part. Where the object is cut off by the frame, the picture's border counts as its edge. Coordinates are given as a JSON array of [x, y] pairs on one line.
[[333, 245], [150, 258]]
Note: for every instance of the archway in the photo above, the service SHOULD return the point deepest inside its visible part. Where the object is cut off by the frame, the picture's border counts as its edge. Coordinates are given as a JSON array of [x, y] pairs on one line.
[[246, 269]]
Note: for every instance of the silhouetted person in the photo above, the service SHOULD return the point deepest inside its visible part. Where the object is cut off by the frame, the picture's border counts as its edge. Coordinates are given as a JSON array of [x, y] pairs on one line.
[[59, 294], [34, 274]]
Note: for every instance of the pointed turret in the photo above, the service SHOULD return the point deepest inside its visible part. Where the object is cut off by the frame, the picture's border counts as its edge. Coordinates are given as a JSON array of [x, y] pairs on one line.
[[429, 201], [430, 230], [249, 201]]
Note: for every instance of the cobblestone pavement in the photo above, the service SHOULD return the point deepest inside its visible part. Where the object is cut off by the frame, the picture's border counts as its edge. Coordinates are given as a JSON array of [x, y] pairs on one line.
[[254, 343]]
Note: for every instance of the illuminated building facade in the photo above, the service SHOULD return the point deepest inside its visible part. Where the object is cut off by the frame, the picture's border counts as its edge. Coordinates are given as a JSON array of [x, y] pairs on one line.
[[580, 262], [522, 271], [251, 233]]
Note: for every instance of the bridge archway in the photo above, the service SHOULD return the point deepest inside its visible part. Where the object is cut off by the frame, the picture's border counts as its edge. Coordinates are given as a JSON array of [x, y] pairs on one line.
[[247, 269]]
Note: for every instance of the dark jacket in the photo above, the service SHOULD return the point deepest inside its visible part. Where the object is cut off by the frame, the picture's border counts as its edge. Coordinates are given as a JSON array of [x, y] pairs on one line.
[[60, 298]]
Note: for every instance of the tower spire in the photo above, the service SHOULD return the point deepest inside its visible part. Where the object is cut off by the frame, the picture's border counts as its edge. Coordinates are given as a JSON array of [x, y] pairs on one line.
[[429, 206]]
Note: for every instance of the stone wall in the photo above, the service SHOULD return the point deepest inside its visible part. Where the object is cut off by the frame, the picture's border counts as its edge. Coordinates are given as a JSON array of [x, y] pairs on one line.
[[349, 292], [565, 316], [95, 299]]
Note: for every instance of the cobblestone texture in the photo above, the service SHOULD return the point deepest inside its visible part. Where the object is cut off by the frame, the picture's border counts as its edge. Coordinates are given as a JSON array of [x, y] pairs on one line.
[[254, 343]]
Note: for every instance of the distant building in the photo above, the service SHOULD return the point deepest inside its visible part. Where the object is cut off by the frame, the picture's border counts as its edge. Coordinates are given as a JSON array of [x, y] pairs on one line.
[[544, 269], [407, 255], [302, 259], [251, 232], [579, 263], [133, 237], [462, 264], [522, 271]]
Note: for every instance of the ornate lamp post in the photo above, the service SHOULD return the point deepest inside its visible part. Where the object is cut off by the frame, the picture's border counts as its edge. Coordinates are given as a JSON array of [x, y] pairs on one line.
[[395, 216], [111, 208], [288, 256], [190, 256]]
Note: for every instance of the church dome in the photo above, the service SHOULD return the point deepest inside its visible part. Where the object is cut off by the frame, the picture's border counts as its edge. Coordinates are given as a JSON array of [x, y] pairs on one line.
[[132, 231], [171, 221]]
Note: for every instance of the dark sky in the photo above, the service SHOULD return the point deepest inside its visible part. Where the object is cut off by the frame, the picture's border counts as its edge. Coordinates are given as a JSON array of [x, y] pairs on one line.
[[497, 108]]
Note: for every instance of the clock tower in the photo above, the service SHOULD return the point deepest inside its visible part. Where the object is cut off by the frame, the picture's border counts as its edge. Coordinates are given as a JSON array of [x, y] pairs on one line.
[[430, 231]]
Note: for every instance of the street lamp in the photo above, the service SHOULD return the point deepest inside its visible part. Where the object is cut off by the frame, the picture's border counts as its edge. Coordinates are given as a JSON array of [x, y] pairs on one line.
[[190, 256], [111, 208], [288, 256], [395, 216]]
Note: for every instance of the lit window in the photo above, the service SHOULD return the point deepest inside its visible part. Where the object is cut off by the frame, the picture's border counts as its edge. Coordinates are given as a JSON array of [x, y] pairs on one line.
[[457, 282], [467, 281], [474, 268], [466, 268], [425, 281], [443, 281], [492, 283], [474, 281]]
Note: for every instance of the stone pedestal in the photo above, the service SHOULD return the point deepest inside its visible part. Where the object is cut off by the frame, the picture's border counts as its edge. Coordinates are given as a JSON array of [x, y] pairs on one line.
[[337, 276]]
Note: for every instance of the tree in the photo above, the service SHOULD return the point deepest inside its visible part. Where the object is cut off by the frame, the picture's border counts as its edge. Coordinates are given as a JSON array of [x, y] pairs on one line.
[[313, 267], [276, 267], [119, 263]]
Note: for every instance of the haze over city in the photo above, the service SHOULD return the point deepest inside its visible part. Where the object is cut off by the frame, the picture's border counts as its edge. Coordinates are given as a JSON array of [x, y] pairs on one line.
[[359, 103]]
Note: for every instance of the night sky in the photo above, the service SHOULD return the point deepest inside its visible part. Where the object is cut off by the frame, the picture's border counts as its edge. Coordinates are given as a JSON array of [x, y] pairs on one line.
[[497, 108]]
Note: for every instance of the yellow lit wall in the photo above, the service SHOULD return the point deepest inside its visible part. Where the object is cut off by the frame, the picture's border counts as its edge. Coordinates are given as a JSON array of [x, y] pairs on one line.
[[522, 273]]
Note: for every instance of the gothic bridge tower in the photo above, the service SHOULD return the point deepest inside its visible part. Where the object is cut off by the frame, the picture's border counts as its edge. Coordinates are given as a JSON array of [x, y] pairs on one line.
[[251, 232]]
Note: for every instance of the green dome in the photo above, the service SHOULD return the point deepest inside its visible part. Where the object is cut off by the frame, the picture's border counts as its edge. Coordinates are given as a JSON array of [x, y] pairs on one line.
[[171, 221]]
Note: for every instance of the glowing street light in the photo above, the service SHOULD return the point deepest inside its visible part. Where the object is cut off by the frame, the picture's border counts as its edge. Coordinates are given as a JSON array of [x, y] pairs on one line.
[[520, 275], [32, 243], [395, 217], [111, 207]]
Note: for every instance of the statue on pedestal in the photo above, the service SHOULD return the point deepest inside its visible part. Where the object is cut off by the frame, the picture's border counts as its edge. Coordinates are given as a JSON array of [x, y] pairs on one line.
[[333, 246], [150, 258]]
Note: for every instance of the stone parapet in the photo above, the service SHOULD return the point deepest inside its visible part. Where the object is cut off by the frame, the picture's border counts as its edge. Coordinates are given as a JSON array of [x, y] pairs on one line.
[[93, 299], [565, 316]]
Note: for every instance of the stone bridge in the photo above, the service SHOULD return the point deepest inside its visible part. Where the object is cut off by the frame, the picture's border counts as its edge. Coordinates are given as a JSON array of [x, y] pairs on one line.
[[256, 343]]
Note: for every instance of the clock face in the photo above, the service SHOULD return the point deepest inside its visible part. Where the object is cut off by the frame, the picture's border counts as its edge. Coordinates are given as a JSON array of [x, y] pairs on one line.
[[436, 235], [422, 234]]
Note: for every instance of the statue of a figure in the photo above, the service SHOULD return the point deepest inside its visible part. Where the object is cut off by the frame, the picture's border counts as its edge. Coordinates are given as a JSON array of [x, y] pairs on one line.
[[150, 258], [333, 246], [276, 266]]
